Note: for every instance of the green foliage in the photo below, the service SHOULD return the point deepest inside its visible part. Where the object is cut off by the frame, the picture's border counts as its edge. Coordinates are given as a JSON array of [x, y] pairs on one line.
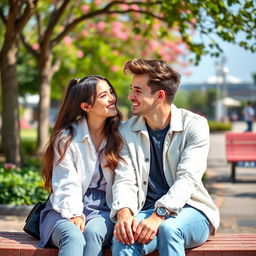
[[219, 126], [21, 187], [27, 73], [200, 102], [226, 19], [28, 141]]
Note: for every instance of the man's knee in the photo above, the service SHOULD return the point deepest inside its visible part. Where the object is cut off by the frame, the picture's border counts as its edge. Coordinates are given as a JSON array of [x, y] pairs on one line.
[[168, 230]]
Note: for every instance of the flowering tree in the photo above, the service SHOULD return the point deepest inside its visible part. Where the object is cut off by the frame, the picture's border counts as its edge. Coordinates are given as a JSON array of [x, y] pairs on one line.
[[14, 17], [59, 23], [64, 21]]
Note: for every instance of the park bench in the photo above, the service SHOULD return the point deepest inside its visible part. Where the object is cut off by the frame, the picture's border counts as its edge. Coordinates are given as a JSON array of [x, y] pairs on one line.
[[22, 244], [240, 147]]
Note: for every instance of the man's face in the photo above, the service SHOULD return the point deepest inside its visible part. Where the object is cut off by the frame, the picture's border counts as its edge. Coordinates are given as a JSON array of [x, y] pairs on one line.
[[143, 101]]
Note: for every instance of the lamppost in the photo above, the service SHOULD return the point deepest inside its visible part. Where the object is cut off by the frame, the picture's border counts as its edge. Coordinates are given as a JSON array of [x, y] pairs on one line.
[[221, 89]]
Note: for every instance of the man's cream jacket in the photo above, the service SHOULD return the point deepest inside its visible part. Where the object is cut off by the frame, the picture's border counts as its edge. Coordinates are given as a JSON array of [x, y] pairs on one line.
[[185, 153]]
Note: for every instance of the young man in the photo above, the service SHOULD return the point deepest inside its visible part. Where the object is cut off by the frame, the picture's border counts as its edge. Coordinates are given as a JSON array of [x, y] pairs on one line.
[[249, 114], [159, 201]]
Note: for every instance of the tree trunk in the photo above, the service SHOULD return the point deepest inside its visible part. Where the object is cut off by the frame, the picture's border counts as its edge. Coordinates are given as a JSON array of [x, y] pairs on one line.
[[10, 105], [45, 76]]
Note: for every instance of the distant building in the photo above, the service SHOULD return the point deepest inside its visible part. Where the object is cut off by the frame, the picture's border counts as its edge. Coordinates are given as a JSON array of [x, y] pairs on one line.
[[240, 91], [228, 89]]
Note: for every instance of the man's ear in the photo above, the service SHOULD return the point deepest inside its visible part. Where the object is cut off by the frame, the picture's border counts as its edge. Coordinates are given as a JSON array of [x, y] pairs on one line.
[[85, 106], [161, 95]]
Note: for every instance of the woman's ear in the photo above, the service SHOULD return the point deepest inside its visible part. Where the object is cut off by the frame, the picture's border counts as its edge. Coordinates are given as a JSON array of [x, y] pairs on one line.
[[85, 106]]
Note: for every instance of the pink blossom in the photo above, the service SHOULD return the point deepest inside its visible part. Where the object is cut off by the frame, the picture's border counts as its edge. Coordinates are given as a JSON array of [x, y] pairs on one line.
[[85, 8], [116, 52], [91, 25], [123, 36], [183, 64], [178, 50], [85, 33], [135, 7], [193, 21], [114, 68], [80, 54], [144, 53], [10, 166], [137, 37], [67, 40], [35, 46], [117, 25], [157, 26], [153, 45], [124, 7], [101, 25], [98, 2], [187, 73], [167, 57]]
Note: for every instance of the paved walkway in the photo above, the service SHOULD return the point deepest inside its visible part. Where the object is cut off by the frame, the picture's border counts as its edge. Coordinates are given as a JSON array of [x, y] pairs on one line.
[[236, 201]]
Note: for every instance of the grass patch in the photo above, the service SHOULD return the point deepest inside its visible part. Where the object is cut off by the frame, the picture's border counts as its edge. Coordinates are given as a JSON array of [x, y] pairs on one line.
[[28, 134]]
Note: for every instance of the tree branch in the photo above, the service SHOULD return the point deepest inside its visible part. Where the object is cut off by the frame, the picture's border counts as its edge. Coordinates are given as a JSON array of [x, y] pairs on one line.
[[3, 17], [39, 28], [54, 19], [56, 66], [10, 22], [105, 10], [28, 46], [22, 21]]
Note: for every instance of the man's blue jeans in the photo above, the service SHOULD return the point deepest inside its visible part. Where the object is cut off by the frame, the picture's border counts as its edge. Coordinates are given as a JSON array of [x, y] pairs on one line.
[[190, 228]]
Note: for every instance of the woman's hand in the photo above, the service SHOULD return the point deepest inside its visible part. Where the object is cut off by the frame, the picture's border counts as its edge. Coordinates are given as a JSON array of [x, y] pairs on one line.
[[125, 226], [79, 222]]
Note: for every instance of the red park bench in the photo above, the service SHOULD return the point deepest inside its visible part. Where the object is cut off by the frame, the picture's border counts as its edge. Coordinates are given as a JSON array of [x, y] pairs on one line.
[[240, 147], [22, 244]]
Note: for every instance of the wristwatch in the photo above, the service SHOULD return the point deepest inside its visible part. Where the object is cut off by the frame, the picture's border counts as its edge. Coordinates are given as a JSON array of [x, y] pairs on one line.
[[162, 212]]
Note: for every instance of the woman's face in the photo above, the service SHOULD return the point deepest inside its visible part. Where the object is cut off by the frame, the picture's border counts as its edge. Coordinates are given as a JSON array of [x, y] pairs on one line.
[[105, 101]]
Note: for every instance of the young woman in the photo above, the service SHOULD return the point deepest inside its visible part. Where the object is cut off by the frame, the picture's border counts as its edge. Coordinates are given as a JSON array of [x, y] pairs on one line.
[[78, 166]]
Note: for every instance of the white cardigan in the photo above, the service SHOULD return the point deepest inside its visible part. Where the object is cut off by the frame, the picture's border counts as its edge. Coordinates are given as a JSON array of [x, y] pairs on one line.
[[185, 153], [72, 176]]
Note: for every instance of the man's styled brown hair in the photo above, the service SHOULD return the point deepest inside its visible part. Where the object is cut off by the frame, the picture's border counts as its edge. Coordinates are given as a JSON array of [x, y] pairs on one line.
[[161, 75]]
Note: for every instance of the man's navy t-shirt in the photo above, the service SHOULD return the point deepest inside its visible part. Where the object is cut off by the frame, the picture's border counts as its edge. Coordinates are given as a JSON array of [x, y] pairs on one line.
[[157, 185]]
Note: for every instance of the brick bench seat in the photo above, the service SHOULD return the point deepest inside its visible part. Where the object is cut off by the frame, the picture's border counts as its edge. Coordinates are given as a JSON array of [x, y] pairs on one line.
[[22, 244]]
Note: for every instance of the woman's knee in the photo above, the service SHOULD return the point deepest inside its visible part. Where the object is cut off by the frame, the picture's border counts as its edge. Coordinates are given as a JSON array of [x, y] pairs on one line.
[[74, 236]]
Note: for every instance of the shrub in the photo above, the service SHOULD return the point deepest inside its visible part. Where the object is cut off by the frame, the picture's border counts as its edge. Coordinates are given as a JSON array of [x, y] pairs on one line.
[[21, 186], [219, 126]]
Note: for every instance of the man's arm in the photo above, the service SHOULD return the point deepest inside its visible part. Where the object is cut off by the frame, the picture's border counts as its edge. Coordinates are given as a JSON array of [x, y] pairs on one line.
[[190, 169], [148, 229]]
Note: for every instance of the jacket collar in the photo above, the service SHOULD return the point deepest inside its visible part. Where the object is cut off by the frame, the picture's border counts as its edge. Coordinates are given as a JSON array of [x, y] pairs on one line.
[[82, 130], [176, 123]]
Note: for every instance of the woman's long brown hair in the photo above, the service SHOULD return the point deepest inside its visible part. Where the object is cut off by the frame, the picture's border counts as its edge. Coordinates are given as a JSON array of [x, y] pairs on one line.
[[78, 91]]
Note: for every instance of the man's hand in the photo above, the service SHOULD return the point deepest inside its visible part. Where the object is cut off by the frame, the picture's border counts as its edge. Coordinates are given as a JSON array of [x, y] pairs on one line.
[[79, 222], [147, 229], [125, 227]]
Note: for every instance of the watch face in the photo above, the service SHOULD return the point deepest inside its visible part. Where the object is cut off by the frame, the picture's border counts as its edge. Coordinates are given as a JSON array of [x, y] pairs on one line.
[[161, 211]]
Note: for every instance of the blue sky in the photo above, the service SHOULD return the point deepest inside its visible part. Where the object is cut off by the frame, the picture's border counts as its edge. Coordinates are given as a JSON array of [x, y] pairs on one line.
[[240, 63]]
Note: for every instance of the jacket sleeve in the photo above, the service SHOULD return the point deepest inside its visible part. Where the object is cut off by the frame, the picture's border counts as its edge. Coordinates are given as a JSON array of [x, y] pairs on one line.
[[66, 197], [125, 187], [190, 169]]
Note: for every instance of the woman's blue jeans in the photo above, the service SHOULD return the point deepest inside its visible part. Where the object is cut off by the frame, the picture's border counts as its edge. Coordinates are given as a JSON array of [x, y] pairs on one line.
[[190, 228], [71, 241]]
